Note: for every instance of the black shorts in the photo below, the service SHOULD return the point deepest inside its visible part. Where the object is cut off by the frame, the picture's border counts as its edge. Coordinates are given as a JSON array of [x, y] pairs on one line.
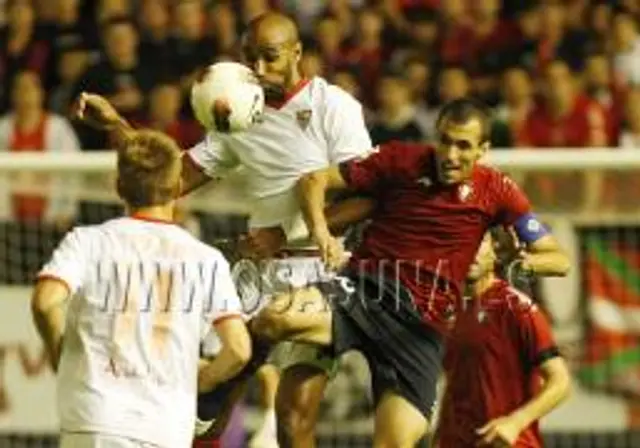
[[378, 319]]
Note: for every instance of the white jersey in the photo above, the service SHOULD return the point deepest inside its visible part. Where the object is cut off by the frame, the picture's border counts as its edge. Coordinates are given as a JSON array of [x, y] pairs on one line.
[[318, 125], [144, 295]]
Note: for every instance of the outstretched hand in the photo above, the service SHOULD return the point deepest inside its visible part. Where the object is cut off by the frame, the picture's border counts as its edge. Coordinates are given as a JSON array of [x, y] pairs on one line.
[[331, 250], [95, 111]]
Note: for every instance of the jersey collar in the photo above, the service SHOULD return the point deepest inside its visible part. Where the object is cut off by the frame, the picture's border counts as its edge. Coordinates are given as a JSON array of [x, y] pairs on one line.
[[142, 217], [289, 95]]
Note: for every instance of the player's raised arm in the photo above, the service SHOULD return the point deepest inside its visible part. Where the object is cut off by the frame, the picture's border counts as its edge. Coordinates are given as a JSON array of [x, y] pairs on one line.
[[543, 255]]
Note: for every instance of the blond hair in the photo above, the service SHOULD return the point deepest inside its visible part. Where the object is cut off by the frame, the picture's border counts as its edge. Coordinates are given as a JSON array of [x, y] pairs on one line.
[[149, 165]]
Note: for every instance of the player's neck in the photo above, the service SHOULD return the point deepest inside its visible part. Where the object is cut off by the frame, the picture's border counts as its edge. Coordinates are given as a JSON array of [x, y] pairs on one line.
[[294, 83], [161, 213]]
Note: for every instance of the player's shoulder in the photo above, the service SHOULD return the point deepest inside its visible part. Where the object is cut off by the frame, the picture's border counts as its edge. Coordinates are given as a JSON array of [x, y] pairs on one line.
[[491, 178], [331, 95]]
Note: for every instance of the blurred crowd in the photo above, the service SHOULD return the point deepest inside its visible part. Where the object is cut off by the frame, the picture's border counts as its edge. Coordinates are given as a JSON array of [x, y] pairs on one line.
[[559, 73]]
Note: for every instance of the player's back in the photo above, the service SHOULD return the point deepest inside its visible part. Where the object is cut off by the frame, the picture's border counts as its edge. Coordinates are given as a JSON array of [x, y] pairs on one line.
[[140, 308]]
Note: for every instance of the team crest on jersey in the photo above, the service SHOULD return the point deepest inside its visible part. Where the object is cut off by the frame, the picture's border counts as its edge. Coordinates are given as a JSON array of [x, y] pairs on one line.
[[464, 192], [303, 117]]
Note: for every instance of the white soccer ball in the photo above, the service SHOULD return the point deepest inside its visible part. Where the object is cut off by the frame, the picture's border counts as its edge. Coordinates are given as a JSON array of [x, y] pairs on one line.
[[227, 98]]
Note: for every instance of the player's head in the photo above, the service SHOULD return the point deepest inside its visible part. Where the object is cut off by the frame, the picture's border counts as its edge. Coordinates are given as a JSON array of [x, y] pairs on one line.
[[485, 261], [149, 165], [273, 50], [464, 128]]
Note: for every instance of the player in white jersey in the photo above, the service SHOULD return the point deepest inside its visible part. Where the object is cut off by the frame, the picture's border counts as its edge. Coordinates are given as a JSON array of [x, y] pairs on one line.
[[308, 124], [140, 295]]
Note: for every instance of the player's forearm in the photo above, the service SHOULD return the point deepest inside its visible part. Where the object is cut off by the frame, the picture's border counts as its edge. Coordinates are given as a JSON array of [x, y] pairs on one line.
[[49, 324], [226, 365], [546, 264], [554, 391], [312, 190], [347, 212]]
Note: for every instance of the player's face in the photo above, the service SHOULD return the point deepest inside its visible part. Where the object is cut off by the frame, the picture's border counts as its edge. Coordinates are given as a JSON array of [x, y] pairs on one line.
[[458, 149], [274, 62]]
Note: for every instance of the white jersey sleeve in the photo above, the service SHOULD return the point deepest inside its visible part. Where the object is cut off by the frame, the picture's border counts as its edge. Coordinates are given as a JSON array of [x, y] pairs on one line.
[[347, 135], [224, 301], [213, 155], [68, 262]]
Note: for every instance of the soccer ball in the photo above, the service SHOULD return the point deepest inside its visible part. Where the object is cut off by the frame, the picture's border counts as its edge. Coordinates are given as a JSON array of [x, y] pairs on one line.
[[227, 98]]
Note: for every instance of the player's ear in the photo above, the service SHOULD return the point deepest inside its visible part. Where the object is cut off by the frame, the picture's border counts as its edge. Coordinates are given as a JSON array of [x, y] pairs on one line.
[[297, 49]]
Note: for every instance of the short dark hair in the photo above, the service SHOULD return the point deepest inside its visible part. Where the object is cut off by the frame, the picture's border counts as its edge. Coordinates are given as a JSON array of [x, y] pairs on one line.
[[462, 110]]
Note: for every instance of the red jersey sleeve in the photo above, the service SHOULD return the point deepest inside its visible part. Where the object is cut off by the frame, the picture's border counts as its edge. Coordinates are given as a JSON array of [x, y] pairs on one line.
[[387, 163], [537, 344], [512, 203]]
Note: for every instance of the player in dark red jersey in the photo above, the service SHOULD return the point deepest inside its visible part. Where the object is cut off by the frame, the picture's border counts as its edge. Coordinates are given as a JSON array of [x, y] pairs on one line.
[[404, 282], [502, 365]]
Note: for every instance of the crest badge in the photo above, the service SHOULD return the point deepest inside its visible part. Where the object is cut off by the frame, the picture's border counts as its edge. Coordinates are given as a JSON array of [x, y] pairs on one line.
[[464, 192], [303, 117]]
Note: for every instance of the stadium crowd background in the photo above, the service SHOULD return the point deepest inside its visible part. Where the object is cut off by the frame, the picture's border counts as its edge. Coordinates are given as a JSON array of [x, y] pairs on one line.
[[558, 74]]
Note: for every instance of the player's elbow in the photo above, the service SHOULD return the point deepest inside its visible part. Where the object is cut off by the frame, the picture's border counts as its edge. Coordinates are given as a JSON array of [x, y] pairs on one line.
[[239, 349], [313, 181]]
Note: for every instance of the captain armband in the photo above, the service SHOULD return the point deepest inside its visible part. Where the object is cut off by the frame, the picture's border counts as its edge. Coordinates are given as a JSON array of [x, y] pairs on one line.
[[529, 228]]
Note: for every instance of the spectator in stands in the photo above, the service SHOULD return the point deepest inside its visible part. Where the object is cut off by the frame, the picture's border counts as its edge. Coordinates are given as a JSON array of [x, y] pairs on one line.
[[22, 46], [423, 31], [165, 103], [29, 127], [329, 37], [343, 10], [191, 48], [557, 41], [600, 87], [418, 77], [110, 9], [486, 52], [396, 118], [368, 51], [71, 29], [311, 63], [154, 22], [524, 50], [599, 25], [122, 76], [73, 62], [223, 29], [453, 83], [630, 136], [626, 48], [516, 103], [565, 118], [253, 8], [347, 79], [455, 32]]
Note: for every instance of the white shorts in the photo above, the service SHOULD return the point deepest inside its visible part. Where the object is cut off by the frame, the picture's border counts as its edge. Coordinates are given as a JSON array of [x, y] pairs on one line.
[[99, 440], [258, 283]]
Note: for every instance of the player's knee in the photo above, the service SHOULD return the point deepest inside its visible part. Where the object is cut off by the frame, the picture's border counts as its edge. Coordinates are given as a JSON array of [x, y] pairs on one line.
[[296, 419], [274, 322]]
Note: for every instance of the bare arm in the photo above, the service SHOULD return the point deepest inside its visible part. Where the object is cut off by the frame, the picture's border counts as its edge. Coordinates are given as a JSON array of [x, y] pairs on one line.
[[47, 303], [556, 388], [312, 189], [545, 257], [348, 211], [234, 355]]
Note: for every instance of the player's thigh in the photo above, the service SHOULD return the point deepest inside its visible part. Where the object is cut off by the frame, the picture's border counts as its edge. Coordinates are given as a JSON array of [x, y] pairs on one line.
[[398, 423], [299, 315], [299, 396]]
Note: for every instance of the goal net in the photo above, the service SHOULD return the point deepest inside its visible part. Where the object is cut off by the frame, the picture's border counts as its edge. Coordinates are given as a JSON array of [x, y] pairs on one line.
[[589, 199]]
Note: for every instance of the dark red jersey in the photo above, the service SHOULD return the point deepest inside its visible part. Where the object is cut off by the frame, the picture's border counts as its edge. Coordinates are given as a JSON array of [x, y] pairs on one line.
[[493, 352], [424, 232]]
